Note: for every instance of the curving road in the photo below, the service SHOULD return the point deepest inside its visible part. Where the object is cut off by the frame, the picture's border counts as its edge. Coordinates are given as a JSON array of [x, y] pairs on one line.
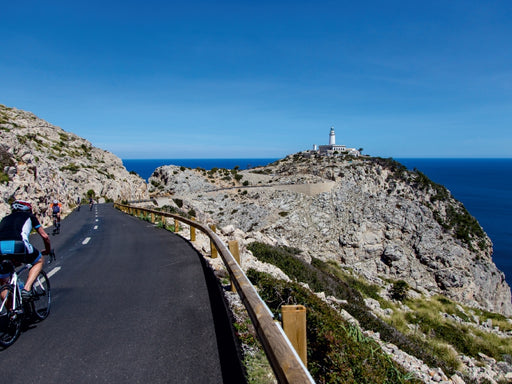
[[131, 303]]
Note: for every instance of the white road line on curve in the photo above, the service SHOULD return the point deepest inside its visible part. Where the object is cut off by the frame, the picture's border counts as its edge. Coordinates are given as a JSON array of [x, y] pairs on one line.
[[87, 239], [53, 271], [95, 227]]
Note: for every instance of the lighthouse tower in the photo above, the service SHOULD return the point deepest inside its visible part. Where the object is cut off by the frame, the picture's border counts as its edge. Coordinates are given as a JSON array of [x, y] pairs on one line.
[[332, 137]]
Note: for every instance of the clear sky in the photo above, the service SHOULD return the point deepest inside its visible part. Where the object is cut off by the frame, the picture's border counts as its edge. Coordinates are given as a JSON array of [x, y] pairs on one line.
[[235, 79]]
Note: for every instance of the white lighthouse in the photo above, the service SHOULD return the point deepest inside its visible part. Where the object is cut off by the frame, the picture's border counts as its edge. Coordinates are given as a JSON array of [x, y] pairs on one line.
[[332, 137], [335, 150]]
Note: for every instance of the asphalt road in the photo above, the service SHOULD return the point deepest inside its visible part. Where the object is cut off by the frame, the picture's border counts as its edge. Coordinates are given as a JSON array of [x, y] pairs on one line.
[[131, 303]]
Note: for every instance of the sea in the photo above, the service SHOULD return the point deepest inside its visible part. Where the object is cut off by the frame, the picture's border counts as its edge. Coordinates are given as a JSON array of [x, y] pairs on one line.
[[484, 186]]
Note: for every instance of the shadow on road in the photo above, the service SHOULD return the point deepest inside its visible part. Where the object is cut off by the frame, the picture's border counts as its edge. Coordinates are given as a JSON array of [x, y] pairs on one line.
[[228, 345]]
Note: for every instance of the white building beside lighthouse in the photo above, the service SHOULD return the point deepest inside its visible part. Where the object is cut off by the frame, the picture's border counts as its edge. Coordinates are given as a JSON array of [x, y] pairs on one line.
[[335, 150]]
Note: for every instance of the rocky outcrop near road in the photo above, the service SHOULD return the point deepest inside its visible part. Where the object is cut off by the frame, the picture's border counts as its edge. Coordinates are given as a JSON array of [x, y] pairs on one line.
[[370, 215], [40, 162]]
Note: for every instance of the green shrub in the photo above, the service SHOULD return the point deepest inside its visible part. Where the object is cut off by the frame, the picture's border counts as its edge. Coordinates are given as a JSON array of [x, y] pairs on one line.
[[399, 290], [4, 178], [337, 352], [73, 168], [333, 285]]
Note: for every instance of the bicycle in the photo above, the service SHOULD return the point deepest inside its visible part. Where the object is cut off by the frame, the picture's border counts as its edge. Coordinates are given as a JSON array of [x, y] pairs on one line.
[[56, 224], [13, 309]]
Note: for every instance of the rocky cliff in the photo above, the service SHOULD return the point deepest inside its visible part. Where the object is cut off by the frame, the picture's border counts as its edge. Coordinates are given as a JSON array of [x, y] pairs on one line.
[[40, 162], [370, 215]]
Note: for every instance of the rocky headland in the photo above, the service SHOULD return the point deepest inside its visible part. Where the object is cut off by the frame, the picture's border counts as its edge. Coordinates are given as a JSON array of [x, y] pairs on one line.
[[380, 223], [40, 162], [370, 215]]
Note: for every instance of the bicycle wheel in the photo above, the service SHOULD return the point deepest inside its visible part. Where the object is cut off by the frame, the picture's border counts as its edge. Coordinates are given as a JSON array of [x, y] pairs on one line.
[[10, 320], [42, 296]]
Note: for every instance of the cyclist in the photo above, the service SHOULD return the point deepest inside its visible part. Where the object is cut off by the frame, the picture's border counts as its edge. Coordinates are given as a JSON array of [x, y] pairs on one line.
[[91, 202], [56, 208], [15, 229]]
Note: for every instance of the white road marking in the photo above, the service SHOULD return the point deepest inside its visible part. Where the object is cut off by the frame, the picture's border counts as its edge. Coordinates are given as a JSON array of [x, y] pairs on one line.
[[87, 239], [53, 271], [95, 227]]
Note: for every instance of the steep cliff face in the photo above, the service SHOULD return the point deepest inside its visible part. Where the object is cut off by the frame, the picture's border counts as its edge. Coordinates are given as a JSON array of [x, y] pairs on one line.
[[41, 162], [368, 214]]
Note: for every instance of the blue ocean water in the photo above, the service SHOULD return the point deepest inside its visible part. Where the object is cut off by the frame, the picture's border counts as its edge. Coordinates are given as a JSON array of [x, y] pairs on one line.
[[145, 167], [484, 186]]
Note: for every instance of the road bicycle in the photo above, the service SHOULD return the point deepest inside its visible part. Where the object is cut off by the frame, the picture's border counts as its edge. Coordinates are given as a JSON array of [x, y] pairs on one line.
[[56, 224], [14, 310]]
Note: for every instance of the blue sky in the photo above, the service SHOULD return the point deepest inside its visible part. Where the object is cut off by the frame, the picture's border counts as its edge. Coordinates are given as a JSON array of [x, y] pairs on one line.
[[235, 79]]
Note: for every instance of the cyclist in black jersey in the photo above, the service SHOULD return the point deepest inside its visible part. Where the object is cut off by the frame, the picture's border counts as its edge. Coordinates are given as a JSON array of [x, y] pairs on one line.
[[15, 245]]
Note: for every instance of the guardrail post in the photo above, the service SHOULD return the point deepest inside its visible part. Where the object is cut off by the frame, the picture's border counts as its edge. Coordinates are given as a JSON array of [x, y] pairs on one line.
[[152, 218], [294, 325], [176, 225], [214, 252], [235, 251], [193, 231]]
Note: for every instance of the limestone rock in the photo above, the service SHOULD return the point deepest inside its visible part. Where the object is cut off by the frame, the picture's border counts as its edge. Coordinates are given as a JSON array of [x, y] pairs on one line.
[[369, 214], [40, 162]]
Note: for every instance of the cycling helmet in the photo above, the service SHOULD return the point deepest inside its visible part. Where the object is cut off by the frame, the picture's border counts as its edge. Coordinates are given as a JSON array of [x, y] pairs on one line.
[[20, 205], [55, 201]]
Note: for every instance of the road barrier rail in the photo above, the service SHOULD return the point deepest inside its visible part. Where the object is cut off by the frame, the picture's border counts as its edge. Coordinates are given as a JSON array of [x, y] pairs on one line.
[[284, 359]]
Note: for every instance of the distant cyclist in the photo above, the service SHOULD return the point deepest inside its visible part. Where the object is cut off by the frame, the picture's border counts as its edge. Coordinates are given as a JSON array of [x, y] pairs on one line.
[[15, 245], [56, 209], [91, 203]]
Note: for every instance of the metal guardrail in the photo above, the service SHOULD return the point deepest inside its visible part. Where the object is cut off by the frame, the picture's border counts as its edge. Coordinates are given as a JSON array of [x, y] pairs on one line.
[[286, 363]]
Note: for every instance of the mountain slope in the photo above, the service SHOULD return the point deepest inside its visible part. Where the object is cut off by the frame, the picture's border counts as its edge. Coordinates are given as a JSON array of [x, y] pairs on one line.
[[370, 215], [41, 162]]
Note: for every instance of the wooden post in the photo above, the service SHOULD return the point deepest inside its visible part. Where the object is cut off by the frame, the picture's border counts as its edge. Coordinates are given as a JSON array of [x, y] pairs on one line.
[[214, 252], [152, 218], [294, 325], [193, 231], [176, 225], [235, 251]]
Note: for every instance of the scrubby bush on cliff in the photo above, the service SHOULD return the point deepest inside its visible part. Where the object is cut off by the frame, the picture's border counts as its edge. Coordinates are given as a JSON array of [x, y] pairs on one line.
[[429, 330], [324, 277], [337, 351]]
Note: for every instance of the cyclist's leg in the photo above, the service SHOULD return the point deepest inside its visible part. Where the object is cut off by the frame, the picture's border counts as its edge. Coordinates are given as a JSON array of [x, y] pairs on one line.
[[4, 275], [37, 260]]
